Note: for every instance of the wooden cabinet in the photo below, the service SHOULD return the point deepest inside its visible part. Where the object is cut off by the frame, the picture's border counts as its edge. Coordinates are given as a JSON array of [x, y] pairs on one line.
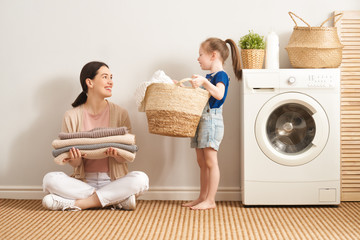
[[349, 33]]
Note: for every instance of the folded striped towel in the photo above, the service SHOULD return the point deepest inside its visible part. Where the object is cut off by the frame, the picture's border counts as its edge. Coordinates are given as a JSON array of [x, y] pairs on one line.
[[124, 139], [96, 154], [130, 148], [95, 133]]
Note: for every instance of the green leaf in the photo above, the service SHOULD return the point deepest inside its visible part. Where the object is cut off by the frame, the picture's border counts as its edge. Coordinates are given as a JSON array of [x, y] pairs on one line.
[[252, 41]]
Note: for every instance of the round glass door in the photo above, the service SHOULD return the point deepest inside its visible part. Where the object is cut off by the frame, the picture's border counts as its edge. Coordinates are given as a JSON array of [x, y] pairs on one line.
[[292, 129]]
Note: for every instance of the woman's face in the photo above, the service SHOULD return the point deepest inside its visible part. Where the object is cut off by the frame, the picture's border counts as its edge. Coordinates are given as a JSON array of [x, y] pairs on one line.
[[103, 83], [204, 59]]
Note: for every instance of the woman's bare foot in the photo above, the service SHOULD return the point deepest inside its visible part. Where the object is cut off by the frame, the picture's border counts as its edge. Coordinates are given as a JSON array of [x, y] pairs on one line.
[[204, 205], [192, 203]]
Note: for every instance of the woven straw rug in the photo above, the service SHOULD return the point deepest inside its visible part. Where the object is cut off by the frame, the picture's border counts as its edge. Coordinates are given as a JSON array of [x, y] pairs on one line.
[[26, 219]]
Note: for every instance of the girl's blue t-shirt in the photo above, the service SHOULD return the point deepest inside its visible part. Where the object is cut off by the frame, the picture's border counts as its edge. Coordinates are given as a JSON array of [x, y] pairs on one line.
[[220, 76]]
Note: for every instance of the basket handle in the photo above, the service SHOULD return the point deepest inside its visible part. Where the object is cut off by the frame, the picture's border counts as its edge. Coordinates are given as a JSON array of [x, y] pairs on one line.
[[182, 81], [291, 15], [335, 21]]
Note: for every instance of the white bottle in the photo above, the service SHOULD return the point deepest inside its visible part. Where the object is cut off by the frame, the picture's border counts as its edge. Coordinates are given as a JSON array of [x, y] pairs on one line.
[[272, 51]]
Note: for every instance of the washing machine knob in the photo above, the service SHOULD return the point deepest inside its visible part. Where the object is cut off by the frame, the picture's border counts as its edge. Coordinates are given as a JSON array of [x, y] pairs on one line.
[[291, 80]]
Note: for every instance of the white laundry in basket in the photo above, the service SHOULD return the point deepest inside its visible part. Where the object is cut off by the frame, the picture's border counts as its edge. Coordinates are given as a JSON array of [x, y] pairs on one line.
[[158, 77]]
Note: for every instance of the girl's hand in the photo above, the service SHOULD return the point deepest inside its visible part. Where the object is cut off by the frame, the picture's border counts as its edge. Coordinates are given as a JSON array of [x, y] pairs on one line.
[[217, 91], [75, 157], [197, 81], [111, 152]]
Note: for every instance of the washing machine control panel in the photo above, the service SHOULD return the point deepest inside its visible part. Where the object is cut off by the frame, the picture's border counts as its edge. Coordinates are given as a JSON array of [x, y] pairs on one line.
[[310, 81], [321, 81]]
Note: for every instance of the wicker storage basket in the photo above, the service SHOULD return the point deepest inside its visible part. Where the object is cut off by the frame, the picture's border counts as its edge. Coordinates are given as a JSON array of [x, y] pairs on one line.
[[252, 58], [174, 110], [314, 47]]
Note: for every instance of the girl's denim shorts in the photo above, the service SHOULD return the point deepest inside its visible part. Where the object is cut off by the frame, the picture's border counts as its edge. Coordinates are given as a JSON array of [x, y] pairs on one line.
[[210, 130]]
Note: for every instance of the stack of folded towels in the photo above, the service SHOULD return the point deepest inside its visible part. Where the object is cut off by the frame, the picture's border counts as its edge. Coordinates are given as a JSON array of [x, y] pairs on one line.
[[94, 144]]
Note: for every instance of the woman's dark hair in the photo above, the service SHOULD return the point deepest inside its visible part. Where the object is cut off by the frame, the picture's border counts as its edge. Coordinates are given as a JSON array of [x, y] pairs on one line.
[[88, 71]]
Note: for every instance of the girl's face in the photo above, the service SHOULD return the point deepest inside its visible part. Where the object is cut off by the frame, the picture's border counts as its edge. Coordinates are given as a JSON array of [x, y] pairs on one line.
[[102, 83], [204, 59]]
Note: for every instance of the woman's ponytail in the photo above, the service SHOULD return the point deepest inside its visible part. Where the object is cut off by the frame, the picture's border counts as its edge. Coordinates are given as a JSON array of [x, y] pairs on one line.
[[81, 99], [89, 71], [235, 56]]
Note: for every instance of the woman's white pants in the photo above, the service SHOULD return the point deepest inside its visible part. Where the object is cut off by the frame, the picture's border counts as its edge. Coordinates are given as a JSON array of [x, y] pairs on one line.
[[109, 192]]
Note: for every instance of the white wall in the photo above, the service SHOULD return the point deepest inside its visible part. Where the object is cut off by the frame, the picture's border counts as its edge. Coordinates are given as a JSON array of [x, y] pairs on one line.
[[44, 44]]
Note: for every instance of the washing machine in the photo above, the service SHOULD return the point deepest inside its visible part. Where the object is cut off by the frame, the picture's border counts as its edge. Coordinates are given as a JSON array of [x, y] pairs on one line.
[[290, 152]]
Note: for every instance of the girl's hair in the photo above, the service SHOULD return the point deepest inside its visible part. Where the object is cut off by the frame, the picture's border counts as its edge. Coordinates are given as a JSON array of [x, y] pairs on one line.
[[88, 71], [216, 44]]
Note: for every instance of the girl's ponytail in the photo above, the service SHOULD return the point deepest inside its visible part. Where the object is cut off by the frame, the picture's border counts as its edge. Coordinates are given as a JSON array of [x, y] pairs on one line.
[[235, 56], [81, 99]]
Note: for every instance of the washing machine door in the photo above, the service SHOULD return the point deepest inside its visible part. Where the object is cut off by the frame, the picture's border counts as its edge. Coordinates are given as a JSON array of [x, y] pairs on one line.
[[292, 129]]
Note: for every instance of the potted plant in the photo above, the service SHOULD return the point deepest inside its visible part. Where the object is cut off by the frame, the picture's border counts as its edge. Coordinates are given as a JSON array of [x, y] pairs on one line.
[[252, 50]]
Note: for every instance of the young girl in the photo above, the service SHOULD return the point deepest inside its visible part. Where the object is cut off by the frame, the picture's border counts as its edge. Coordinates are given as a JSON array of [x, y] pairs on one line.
[[99, 182], [212, 55]]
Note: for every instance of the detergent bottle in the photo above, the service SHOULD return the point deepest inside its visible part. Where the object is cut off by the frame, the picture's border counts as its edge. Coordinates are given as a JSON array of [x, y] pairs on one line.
[[272, 51]]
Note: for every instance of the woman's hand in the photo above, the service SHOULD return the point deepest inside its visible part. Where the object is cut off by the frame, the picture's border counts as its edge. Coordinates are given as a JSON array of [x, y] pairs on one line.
[[197, 81], [75, 157], [111, 152]]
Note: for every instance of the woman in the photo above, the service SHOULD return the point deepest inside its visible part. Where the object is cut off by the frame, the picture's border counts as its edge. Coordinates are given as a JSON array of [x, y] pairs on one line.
[[99, 182]]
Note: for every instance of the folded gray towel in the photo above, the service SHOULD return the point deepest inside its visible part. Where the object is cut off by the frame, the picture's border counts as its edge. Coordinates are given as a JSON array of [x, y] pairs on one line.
[[130, 148], [95, 133]]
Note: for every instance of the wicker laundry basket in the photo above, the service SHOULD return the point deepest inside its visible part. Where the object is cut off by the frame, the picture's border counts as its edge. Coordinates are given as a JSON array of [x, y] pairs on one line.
[[314, 47], [174, 110]]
